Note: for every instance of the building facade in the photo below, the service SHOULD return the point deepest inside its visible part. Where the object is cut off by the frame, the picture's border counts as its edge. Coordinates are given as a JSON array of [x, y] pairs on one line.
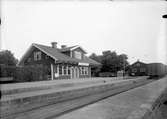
[[138, 69], [62, 63]]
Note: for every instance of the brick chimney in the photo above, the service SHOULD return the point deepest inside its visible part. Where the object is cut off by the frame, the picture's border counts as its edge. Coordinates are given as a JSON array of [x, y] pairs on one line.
[[63, 46], [54, 44]]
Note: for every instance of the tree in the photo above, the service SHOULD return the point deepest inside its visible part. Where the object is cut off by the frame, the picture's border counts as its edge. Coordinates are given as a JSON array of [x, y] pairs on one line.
[[123, 61], [95, 57], [111, 61], [7, 58], [96, 69]]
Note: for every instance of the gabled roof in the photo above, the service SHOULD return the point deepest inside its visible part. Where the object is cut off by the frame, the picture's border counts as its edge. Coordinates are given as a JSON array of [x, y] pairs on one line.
[[56, 54], [67, 48], [138, 62]]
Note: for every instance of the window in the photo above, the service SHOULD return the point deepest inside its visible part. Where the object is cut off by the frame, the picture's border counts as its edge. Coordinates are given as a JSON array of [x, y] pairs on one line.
[[82, 70], [65, 70], [60, 70], [85, 72], [134, 70], [142, 70], [77, 55], [37, 55], [68, 70]]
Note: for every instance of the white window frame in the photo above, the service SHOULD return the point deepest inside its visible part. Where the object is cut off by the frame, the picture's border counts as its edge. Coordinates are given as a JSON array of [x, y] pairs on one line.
[[37, 55], [65, 68], [61, 70]]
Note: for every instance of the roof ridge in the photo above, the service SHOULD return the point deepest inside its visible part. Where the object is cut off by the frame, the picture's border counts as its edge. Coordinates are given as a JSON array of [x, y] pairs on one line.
[[41, 45]]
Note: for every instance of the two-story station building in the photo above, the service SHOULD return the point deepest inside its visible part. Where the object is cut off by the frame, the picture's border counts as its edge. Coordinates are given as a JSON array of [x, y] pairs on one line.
[[63, 63]]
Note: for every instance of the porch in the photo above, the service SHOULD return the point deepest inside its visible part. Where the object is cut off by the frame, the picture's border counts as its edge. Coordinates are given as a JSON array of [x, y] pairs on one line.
[[69, 71]]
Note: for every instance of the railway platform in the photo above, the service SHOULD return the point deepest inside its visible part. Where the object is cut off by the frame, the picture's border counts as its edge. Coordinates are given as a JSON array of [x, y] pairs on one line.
[[145, 102], [26, 102]]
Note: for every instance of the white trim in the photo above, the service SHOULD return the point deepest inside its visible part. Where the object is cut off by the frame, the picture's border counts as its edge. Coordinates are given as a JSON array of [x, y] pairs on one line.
[[77, 47], [67, 70], [37, 55], [62, 69], [71, 71], [58, 69], [83, 64], [44, 52], [89, 72], [52, 72], [77, 72], [28, 50]]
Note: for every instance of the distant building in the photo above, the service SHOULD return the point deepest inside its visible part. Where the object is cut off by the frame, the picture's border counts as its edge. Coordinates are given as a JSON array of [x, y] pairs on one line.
[[138, 69], [63, 63]]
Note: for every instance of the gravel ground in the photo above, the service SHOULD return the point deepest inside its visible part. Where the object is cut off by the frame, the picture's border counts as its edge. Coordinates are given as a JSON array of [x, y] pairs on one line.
[[164, 111]]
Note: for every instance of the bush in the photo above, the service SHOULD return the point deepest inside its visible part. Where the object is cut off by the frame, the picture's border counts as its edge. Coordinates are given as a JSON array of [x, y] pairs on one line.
[[7, 71], [24, 74]]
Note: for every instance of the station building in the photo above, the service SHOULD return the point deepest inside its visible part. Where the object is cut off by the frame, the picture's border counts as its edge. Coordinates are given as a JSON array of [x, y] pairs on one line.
[[63, 63]]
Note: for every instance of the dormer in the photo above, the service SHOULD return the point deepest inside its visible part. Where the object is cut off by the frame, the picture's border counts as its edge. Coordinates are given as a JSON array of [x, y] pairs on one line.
[[78, 53], [74, 51]]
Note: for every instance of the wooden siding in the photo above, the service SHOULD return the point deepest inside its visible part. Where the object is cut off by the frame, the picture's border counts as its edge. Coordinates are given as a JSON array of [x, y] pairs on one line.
[[45, 60], [137, 68]]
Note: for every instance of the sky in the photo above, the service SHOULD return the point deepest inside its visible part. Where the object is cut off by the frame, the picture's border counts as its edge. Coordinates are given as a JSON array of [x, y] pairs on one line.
[[134, 28]]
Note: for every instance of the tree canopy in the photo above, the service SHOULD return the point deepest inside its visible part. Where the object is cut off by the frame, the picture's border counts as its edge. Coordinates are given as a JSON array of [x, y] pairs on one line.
[[7, 58], [111, 61]]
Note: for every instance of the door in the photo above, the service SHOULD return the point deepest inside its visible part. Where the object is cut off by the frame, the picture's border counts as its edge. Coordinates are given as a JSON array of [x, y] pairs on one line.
[[74, 72]]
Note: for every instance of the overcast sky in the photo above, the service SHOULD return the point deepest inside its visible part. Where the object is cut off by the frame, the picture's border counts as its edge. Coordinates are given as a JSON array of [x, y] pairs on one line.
[[133, 28]]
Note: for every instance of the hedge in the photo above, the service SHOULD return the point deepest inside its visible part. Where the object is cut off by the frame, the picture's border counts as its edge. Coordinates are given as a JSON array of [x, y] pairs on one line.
[[24, 74]]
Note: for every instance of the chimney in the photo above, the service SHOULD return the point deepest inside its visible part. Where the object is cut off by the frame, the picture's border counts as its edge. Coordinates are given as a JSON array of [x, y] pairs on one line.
[[63, 46], [54, 44]]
